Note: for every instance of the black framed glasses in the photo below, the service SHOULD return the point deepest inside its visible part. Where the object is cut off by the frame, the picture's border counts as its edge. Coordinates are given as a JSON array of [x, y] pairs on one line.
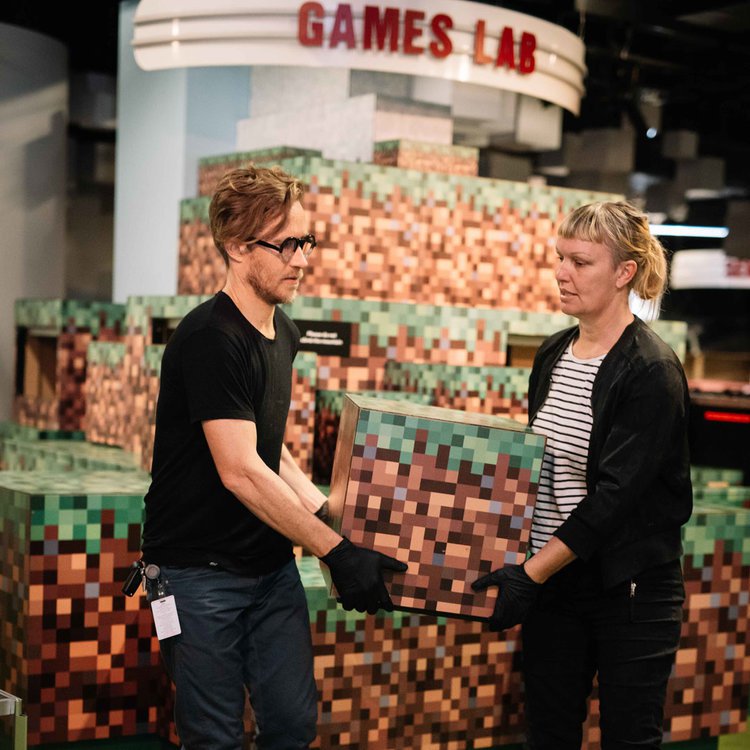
[[289, 246]]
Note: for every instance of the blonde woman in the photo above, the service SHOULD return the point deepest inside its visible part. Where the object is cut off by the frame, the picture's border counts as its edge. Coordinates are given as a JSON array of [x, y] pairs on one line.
[[602, 592]]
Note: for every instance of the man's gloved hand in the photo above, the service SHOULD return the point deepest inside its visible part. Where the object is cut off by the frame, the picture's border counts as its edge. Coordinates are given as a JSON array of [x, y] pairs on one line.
[[357, 574], [517, 594]]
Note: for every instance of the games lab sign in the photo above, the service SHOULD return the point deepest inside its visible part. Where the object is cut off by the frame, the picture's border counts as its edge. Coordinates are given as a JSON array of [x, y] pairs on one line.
[[449, 40], [413, 32]]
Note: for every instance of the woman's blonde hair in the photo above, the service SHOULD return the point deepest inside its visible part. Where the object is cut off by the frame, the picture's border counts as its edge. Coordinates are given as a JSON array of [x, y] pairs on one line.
[[247, 199], [625, 231]]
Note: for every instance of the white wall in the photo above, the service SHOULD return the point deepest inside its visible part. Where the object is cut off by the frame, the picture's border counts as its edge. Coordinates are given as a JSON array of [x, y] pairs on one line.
[[167, 120], [149, 172], [33, 125]]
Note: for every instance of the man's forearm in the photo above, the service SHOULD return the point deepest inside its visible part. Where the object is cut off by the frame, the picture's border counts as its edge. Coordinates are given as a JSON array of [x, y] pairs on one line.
[[271, 499], [310, 496]]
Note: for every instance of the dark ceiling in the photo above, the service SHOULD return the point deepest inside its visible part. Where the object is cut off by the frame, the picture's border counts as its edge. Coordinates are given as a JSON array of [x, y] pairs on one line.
[[692, 57]]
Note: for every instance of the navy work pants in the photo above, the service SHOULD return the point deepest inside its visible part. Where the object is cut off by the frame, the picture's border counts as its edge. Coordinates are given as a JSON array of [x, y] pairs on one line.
[[240, 632], [628, 636]]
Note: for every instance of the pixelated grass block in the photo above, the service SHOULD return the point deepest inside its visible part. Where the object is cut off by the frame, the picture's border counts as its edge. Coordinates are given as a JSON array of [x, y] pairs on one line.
[[449, 492], [83, 656], [710, 686]]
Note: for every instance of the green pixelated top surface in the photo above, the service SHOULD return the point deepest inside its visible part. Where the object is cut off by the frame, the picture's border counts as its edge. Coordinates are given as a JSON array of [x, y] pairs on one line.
[[64, 455], [131, 483], [458, 379], [378, 181], [441, 149], [333, 401], [733, 496], [702, 475], [261, 155], [73, 503], [142, 310], [710, 524], [474, 438], [378, 321], [106, 353], [24, 432], [57, 314]]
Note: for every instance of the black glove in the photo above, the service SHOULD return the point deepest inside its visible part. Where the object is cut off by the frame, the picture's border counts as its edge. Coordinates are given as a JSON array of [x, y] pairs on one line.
[[357, 574], [517, 594]]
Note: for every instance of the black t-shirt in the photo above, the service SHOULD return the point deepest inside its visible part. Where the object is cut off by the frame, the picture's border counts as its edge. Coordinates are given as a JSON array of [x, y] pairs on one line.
[[216, 365]]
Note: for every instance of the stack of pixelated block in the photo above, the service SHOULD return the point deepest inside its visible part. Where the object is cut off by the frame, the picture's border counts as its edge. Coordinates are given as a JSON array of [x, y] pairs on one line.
[[710, 687], [80, 655], [460, 351], [432, 690], [382, 332], [53, 337], [386, 680], [427, 157], [450, 493], [407, 235], [405, 680], [708, 692]]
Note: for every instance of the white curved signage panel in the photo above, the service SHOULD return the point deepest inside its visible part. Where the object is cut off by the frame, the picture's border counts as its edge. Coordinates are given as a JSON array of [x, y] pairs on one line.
[[448, 39]]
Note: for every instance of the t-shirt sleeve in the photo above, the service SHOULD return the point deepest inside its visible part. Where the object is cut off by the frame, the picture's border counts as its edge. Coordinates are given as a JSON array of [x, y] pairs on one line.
[[216, 377]]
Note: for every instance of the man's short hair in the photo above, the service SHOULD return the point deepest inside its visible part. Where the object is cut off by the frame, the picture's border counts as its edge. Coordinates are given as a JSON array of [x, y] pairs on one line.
[[249, 199]]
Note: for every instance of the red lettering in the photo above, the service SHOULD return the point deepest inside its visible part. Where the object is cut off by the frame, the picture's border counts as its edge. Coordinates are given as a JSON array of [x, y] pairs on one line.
[[442, 46], [412, 32], [480, 56], [310, 34], [343, 27], [387, 26], [505, 51], [526, 62]]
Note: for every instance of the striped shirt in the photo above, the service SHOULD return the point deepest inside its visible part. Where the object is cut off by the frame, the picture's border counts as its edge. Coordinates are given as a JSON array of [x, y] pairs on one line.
[[565, 418]]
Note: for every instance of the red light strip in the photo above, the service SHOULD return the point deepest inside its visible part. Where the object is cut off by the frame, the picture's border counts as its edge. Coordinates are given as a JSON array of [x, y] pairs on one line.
[[726, 416]]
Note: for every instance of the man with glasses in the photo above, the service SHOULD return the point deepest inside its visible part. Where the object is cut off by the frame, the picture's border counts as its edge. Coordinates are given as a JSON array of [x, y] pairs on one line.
[[227, 499]]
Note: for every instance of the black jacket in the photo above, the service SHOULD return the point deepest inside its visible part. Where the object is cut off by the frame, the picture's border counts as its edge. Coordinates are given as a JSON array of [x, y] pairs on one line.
[[638, 473]]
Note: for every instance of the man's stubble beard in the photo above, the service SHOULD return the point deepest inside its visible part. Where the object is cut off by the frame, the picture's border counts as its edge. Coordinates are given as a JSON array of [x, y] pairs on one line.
[[268, 296]]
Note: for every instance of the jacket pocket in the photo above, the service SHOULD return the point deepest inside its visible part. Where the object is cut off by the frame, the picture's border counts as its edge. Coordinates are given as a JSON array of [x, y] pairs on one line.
[[657, 595]]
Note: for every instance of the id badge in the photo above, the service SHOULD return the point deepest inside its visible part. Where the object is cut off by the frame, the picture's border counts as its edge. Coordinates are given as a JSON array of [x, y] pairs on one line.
[[165, 617]]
